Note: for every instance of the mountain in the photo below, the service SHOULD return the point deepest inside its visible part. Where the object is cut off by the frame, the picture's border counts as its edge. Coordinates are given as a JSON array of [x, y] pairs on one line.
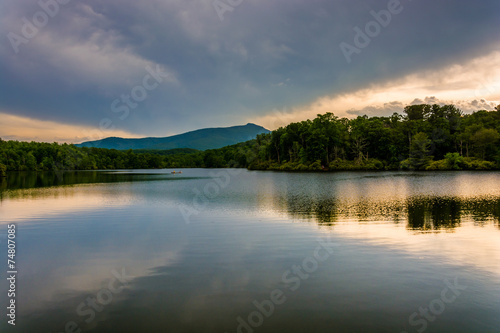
[[202, 139]]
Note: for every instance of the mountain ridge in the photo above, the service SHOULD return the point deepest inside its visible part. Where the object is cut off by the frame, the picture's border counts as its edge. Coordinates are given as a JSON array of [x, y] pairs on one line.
[[200, 139]]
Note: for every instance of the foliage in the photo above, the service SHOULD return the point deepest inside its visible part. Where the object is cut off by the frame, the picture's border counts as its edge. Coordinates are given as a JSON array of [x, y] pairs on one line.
[[346, 165], [478, 164], [419, 152], [454, 161], [425, 137], [438, 165], [36, 156], [174, 151]]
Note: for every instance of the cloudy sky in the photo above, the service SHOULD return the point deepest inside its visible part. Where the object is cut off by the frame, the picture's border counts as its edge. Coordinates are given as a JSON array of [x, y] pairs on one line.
[[77, 70]]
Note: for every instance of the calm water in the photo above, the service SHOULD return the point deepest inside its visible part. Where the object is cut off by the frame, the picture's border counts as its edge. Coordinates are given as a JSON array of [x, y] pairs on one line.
[[213, 251]]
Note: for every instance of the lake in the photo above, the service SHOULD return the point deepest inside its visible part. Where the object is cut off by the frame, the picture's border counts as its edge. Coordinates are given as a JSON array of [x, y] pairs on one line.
[[227, 250]]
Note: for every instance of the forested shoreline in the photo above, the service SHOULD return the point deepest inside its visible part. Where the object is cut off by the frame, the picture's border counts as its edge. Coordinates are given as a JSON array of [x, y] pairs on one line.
[[424, 137]]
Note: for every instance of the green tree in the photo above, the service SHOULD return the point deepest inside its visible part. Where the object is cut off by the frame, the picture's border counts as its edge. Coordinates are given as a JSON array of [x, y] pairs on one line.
[[419, 151], [485, 140], [212, 160], [454, 161], [30, 161], [417, 112]]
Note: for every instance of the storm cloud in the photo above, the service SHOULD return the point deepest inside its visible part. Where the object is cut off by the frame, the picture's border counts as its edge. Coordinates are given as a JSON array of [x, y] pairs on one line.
[[224, 66]]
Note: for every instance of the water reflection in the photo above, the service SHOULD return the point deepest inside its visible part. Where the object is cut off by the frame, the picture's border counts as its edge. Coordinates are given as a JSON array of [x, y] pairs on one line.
[[423, 202], [27, 180], [399, 236], [420, 213]]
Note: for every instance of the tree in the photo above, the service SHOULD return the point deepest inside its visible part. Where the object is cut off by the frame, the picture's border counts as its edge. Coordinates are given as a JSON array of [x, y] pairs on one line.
[[484, 140], [328, 132], [358, 147], [360, 143], [30, 161], [454, 161], [419, 151], [212, 160], [276, 141], [417, 112]]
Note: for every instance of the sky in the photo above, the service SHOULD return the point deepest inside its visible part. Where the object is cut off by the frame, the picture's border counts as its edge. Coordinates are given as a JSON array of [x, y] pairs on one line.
[[78, 70]]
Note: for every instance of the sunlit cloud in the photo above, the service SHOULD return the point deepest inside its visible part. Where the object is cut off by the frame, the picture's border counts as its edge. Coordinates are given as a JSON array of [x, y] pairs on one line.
[[471, 86], [240, 69], [28, 129]]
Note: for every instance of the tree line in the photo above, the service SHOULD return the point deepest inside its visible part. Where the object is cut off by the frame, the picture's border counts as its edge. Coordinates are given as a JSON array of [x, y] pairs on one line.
[[39, 156], [424, 137]]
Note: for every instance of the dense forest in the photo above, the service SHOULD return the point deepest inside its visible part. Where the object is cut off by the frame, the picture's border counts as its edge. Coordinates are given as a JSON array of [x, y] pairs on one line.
[[424, 137], [37, 156]]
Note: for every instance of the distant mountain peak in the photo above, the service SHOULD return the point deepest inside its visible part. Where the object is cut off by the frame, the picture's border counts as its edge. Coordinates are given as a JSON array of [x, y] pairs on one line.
[[201, 139]]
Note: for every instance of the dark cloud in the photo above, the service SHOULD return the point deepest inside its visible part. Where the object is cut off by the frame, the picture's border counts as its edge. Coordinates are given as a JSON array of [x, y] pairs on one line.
[[263, 55]]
